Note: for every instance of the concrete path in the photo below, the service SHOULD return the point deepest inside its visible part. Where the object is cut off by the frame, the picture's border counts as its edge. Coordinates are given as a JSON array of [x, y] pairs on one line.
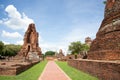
[[53, 72]]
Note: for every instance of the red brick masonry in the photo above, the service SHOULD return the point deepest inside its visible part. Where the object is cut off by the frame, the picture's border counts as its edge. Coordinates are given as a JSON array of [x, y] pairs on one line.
[[106, 45], [104, 70], [16, 69]]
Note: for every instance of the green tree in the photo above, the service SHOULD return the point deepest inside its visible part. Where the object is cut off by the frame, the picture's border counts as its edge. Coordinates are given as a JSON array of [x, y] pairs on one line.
[[104, 2], [11, 50], [77, 47], [85, 47], [1, 47], [7, 51], [49, 53]]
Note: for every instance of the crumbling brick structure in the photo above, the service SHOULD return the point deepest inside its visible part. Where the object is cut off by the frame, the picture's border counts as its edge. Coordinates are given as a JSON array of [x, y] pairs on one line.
[[30, 43], [105, 49], [106, 46], [60, 55], [103, 70], [88, 41]]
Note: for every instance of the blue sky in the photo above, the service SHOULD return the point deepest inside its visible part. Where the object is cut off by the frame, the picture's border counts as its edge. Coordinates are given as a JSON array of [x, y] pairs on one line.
[[58, 22]]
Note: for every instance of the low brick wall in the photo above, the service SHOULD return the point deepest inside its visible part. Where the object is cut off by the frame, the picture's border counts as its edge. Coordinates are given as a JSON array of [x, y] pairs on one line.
[[25, 67], [16, 69], [104, 70]]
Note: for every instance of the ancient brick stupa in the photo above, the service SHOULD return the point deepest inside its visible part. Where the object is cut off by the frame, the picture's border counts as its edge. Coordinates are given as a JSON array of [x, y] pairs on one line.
[[30, 48], [60, 54], [88, 41], [106, 46]]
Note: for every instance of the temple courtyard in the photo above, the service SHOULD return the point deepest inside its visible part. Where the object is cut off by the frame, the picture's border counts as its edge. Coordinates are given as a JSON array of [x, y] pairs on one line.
[[51, 70], [97, 59]]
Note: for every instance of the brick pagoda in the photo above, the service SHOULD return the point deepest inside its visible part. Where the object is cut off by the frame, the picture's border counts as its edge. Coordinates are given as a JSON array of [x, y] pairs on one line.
[[30, 46], [88, 41], [106, 46]]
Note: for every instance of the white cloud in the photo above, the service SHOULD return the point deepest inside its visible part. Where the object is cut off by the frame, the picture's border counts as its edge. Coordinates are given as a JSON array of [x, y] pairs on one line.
[[6, 42], [12, 12], [1, 21], [76, 35], [16, 20], [80, 31], [20, 42], [11, 35], [46, 46]]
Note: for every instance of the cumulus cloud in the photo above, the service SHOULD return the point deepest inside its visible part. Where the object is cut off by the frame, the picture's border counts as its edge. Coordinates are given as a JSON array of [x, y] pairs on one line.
[[11, 35], [1, 21], [76, 35], [16, 20], [6, 42], [20, 42], [47, 46]]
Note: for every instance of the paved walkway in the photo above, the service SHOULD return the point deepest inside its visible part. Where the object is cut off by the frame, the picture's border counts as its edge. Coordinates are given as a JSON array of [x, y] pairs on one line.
[[53, 72]]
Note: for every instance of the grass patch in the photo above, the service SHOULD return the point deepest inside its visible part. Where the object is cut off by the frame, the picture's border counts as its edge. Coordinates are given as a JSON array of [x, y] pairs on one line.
[[31, 74], [73, 73]]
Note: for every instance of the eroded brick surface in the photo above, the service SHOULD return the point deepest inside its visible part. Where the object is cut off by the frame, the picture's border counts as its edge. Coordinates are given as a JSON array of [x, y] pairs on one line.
[[107, 43], [30, 42], [104, 70]]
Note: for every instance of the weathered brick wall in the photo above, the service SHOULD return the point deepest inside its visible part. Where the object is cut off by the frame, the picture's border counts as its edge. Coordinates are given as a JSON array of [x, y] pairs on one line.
[[8, 71], [74, 56], [104, 70], [112, 7], [24, 67], [104, 55], [16, 69]]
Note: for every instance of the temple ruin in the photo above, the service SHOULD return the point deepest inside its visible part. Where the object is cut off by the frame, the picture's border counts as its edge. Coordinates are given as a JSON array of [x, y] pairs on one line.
[[88, 41], [106, 46], [60, 55], [30, 48], [28, 56], [104, 55]]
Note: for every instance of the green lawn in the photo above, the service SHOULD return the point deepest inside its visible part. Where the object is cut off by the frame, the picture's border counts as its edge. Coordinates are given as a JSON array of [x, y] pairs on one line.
[[73, 73], [31, 74]]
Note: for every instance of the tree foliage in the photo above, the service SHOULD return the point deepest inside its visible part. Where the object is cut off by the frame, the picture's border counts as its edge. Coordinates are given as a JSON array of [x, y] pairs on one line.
[[1, 47], [77, 47], [9, 50], [85, 47], [49, 53], [104, 2]]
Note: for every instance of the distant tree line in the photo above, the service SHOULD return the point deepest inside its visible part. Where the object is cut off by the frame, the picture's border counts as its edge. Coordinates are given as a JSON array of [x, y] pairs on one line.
[[9, 49], [49, 53], [74, 48]]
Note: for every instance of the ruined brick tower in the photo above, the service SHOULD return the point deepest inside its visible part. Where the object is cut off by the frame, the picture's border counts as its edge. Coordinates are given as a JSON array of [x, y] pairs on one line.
[[106, 46], [30, 42], [88, 41]]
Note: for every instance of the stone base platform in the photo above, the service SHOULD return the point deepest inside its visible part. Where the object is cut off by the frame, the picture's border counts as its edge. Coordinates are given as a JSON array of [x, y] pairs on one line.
[[15, 67], [104, 70]]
